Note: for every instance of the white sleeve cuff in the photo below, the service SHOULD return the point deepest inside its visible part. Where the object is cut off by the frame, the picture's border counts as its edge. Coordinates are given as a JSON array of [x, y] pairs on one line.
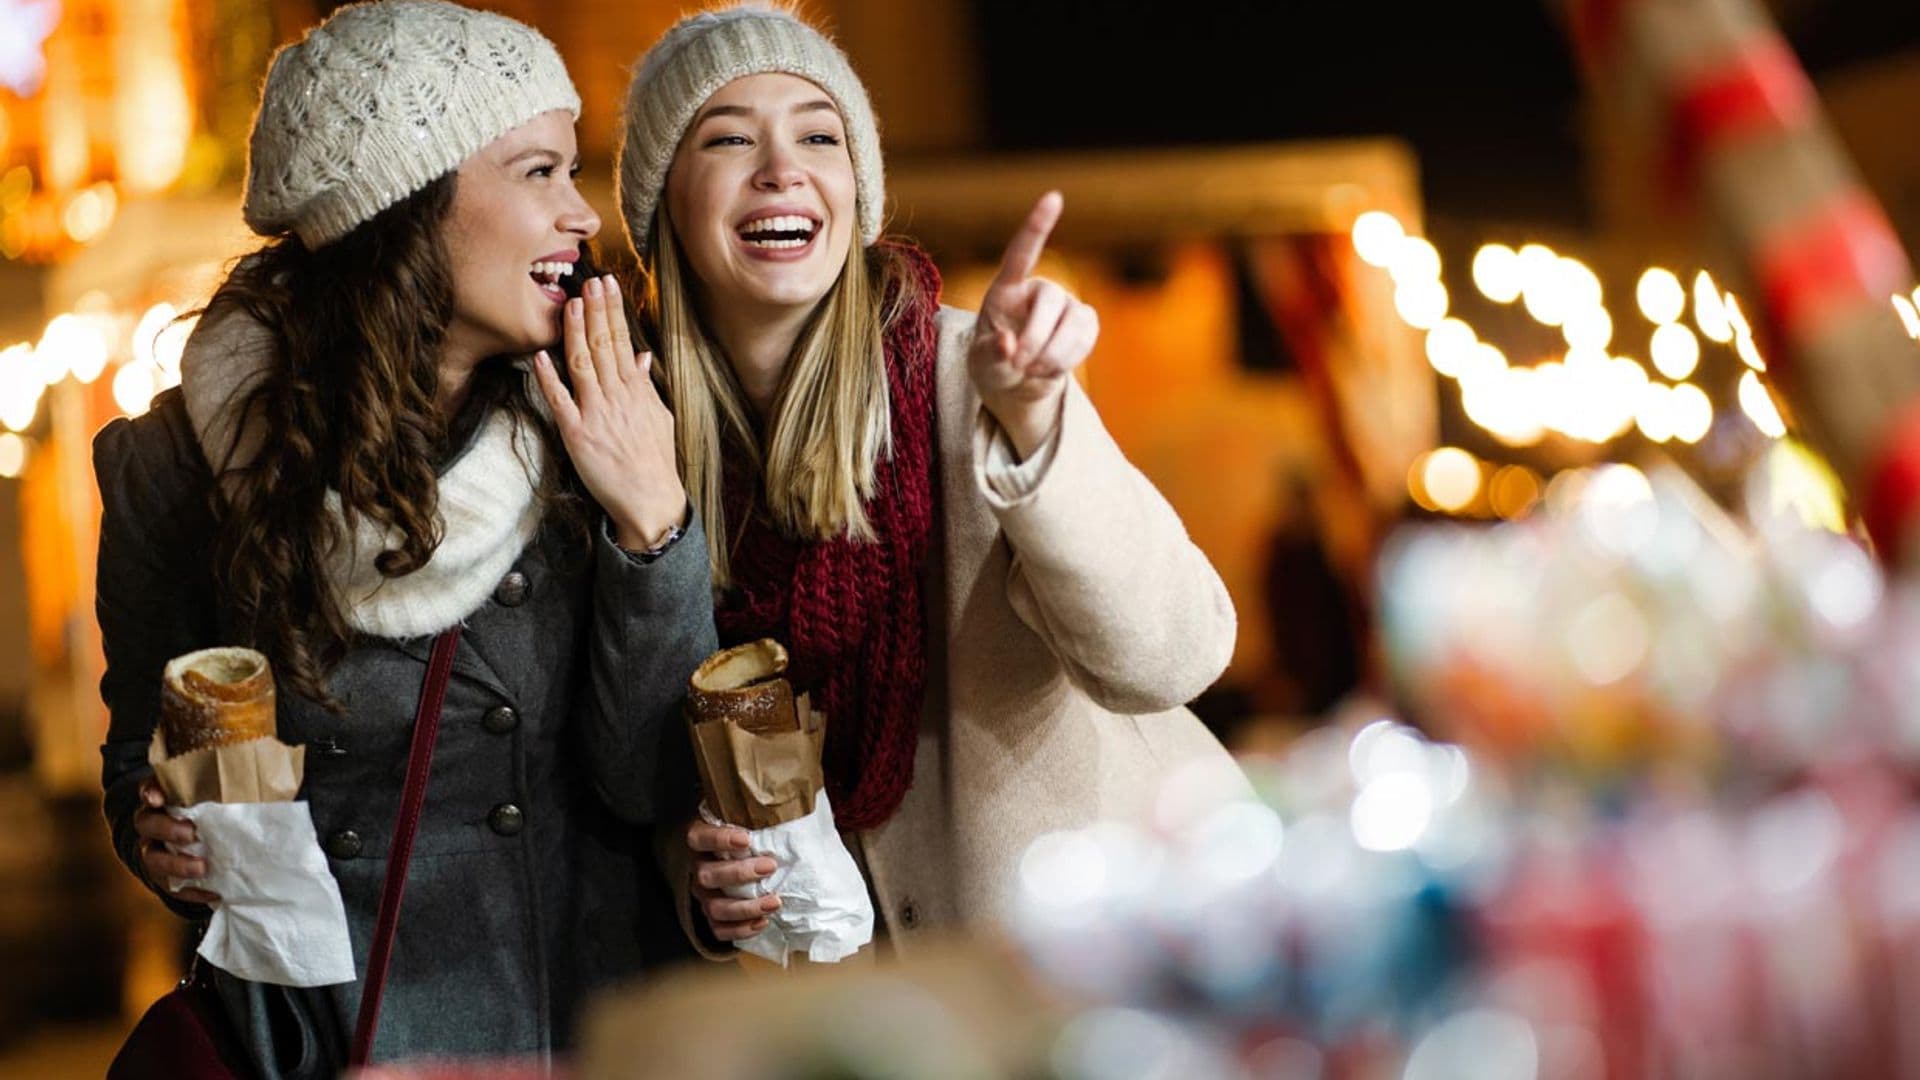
[[1007, 477]]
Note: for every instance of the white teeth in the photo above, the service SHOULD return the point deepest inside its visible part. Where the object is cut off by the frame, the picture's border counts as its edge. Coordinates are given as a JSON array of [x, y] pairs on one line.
[[553, 269], [779, 243], [783, 223]]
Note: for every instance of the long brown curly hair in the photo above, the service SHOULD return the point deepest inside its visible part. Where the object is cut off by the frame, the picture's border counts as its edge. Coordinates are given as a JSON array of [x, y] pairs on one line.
[[349, 404]]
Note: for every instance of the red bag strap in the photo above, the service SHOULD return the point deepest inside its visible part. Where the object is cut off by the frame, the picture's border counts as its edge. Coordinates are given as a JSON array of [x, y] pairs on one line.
[[413, 795]]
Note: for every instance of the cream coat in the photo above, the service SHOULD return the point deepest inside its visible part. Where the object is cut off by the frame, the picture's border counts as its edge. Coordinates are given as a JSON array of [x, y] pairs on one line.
[[1075, 621]]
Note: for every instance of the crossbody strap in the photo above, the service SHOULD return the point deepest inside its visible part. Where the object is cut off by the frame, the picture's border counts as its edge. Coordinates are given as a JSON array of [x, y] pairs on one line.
[[413, 795]]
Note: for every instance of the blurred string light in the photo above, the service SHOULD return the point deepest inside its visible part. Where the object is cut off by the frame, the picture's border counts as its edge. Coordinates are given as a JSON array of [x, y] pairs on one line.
[[1451, 477], [13, 455], [1710, 310], [1660, 296], [1759, 406], [1676, 352], [1909, 316], [1513, 491], [81, 345], [1588, 393], [1376, 236], [20, 386]]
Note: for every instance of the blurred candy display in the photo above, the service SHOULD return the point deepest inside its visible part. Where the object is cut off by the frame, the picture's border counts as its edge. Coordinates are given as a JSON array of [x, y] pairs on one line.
[[1673, 834]]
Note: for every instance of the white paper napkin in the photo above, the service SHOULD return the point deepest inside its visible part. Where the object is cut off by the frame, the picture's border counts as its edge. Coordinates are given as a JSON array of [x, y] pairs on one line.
[[279, 919], [825, 914]]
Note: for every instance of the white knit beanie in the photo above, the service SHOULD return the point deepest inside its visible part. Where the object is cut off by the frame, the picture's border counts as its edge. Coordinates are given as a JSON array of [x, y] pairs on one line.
[[705, 52], [380, 100]]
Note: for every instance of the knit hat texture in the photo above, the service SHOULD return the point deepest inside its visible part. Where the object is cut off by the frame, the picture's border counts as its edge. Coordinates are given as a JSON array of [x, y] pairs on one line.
[[380, 100], [705, 52]]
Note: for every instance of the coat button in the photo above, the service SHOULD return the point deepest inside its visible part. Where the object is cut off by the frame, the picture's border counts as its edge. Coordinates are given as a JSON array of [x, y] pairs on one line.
[[909, 914], [499, 721], [512, 590], [506, 819], [343, 843]]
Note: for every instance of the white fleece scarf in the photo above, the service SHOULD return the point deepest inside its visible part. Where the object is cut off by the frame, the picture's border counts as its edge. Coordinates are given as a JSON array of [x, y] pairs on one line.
[[487, 499]]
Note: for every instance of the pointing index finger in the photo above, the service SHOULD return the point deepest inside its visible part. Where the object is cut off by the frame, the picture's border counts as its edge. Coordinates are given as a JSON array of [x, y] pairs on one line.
[[1023, 251]]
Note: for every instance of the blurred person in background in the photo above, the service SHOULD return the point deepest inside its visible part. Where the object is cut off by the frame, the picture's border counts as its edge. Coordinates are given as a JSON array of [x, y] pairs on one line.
[[358, 460], [999, 616]]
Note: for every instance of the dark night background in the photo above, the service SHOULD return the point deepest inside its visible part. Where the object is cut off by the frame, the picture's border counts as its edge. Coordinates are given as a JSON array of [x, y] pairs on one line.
[[1485, 91]]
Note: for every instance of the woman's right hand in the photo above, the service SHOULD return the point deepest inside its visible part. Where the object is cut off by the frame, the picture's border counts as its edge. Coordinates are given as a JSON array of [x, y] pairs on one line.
[[720, 860], [156, 829], [616, 429]]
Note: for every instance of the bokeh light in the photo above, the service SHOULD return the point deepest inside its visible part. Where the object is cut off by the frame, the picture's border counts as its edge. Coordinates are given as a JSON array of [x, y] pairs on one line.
[[1496, 273], [1451, 478], [1675, 351], [1759, 406], [1709, 310], [1660, 296], [1448, 345], [1692, 413], [1376, 236]]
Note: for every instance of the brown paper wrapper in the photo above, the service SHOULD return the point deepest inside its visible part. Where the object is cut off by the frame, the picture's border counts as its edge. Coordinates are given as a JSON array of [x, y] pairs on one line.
[[757, 746], [258, 770], [215, 740]]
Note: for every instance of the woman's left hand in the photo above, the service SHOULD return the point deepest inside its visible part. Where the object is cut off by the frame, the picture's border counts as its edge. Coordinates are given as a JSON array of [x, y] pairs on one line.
[[1030, 335], [617, 430]]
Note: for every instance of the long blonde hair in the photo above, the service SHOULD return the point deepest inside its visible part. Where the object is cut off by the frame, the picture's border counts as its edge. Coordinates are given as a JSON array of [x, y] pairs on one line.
[[830, 421]]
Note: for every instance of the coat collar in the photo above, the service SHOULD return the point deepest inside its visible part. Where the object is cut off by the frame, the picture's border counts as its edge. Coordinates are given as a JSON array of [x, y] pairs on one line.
[[488, 498]]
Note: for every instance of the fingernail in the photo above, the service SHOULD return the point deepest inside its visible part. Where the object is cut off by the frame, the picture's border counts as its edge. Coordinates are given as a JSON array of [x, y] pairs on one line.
[[574, 307], [737, 839], [613, 286], [764, 867], [542, 358], [593, 287], [771, 903]]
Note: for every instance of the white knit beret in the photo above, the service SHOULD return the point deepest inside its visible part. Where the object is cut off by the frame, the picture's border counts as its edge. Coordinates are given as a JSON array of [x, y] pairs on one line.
[[383, 98], [705, 52]]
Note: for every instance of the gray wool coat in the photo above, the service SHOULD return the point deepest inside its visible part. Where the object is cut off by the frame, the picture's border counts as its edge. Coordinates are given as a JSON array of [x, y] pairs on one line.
[[561, 729]]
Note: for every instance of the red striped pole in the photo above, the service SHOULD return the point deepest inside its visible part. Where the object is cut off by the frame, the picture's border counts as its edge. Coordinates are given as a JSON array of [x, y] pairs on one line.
[[1744, 143]]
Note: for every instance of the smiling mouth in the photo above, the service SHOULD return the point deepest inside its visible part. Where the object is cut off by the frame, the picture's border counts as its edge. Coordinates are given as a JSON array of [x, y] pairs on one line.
[[549, 275], [783, 233]]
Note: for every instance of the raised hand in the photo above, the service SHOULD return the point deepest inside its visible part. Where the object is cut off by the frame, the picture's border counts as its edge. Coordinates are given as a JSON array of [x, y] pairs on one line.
[[1030, 335], [617, 430]]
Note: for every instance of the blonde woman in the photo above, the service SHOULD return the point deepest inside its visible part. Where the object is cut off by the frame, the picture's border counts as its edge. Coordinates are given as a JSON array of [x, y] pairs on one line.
[[1000, 615]]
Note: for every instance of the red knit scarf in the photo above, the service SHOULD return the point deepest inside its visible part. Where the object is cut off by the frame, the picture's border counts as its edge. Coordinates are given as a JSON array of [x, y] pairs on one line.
[[850, 613]]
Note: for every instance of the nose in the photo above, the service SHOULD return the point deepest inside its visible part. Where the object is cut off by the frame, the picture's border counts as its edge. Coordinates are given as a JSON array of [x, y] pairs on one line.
[[578, 217], [777, 170]]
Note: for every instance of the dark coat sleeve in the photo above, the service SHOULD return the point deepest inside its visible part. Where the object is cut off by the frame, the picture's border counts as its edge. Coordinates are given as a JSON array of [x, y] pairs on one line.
[[154, 593], [652, 625]]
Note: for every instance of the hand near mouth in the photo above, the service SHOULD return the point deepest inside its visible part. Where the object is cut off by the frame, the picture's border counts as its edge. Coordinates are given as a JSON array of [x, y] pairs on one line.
[[616, 429], [1031, 333]]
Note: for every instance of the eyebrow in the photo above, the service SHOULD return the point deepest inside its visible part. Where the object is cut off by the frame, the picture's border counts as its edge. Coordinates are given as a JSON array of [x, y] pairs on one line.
[[537, 151], [816, 105]]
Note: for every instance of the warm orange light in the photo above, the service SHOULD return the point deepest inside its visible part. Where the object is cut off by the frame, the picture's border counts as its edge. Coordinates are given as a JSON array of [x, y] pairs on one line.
[[90, 213], [153, 118], [1451, 477], [1514, 491]]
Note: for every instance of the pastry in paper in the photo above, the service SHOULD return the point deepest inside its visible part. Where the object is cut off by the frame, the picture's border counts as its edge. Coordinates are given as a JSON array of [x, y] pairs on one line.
[[756, 745], [215, 754], [743, 685], [216, 697], [758, 750]]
